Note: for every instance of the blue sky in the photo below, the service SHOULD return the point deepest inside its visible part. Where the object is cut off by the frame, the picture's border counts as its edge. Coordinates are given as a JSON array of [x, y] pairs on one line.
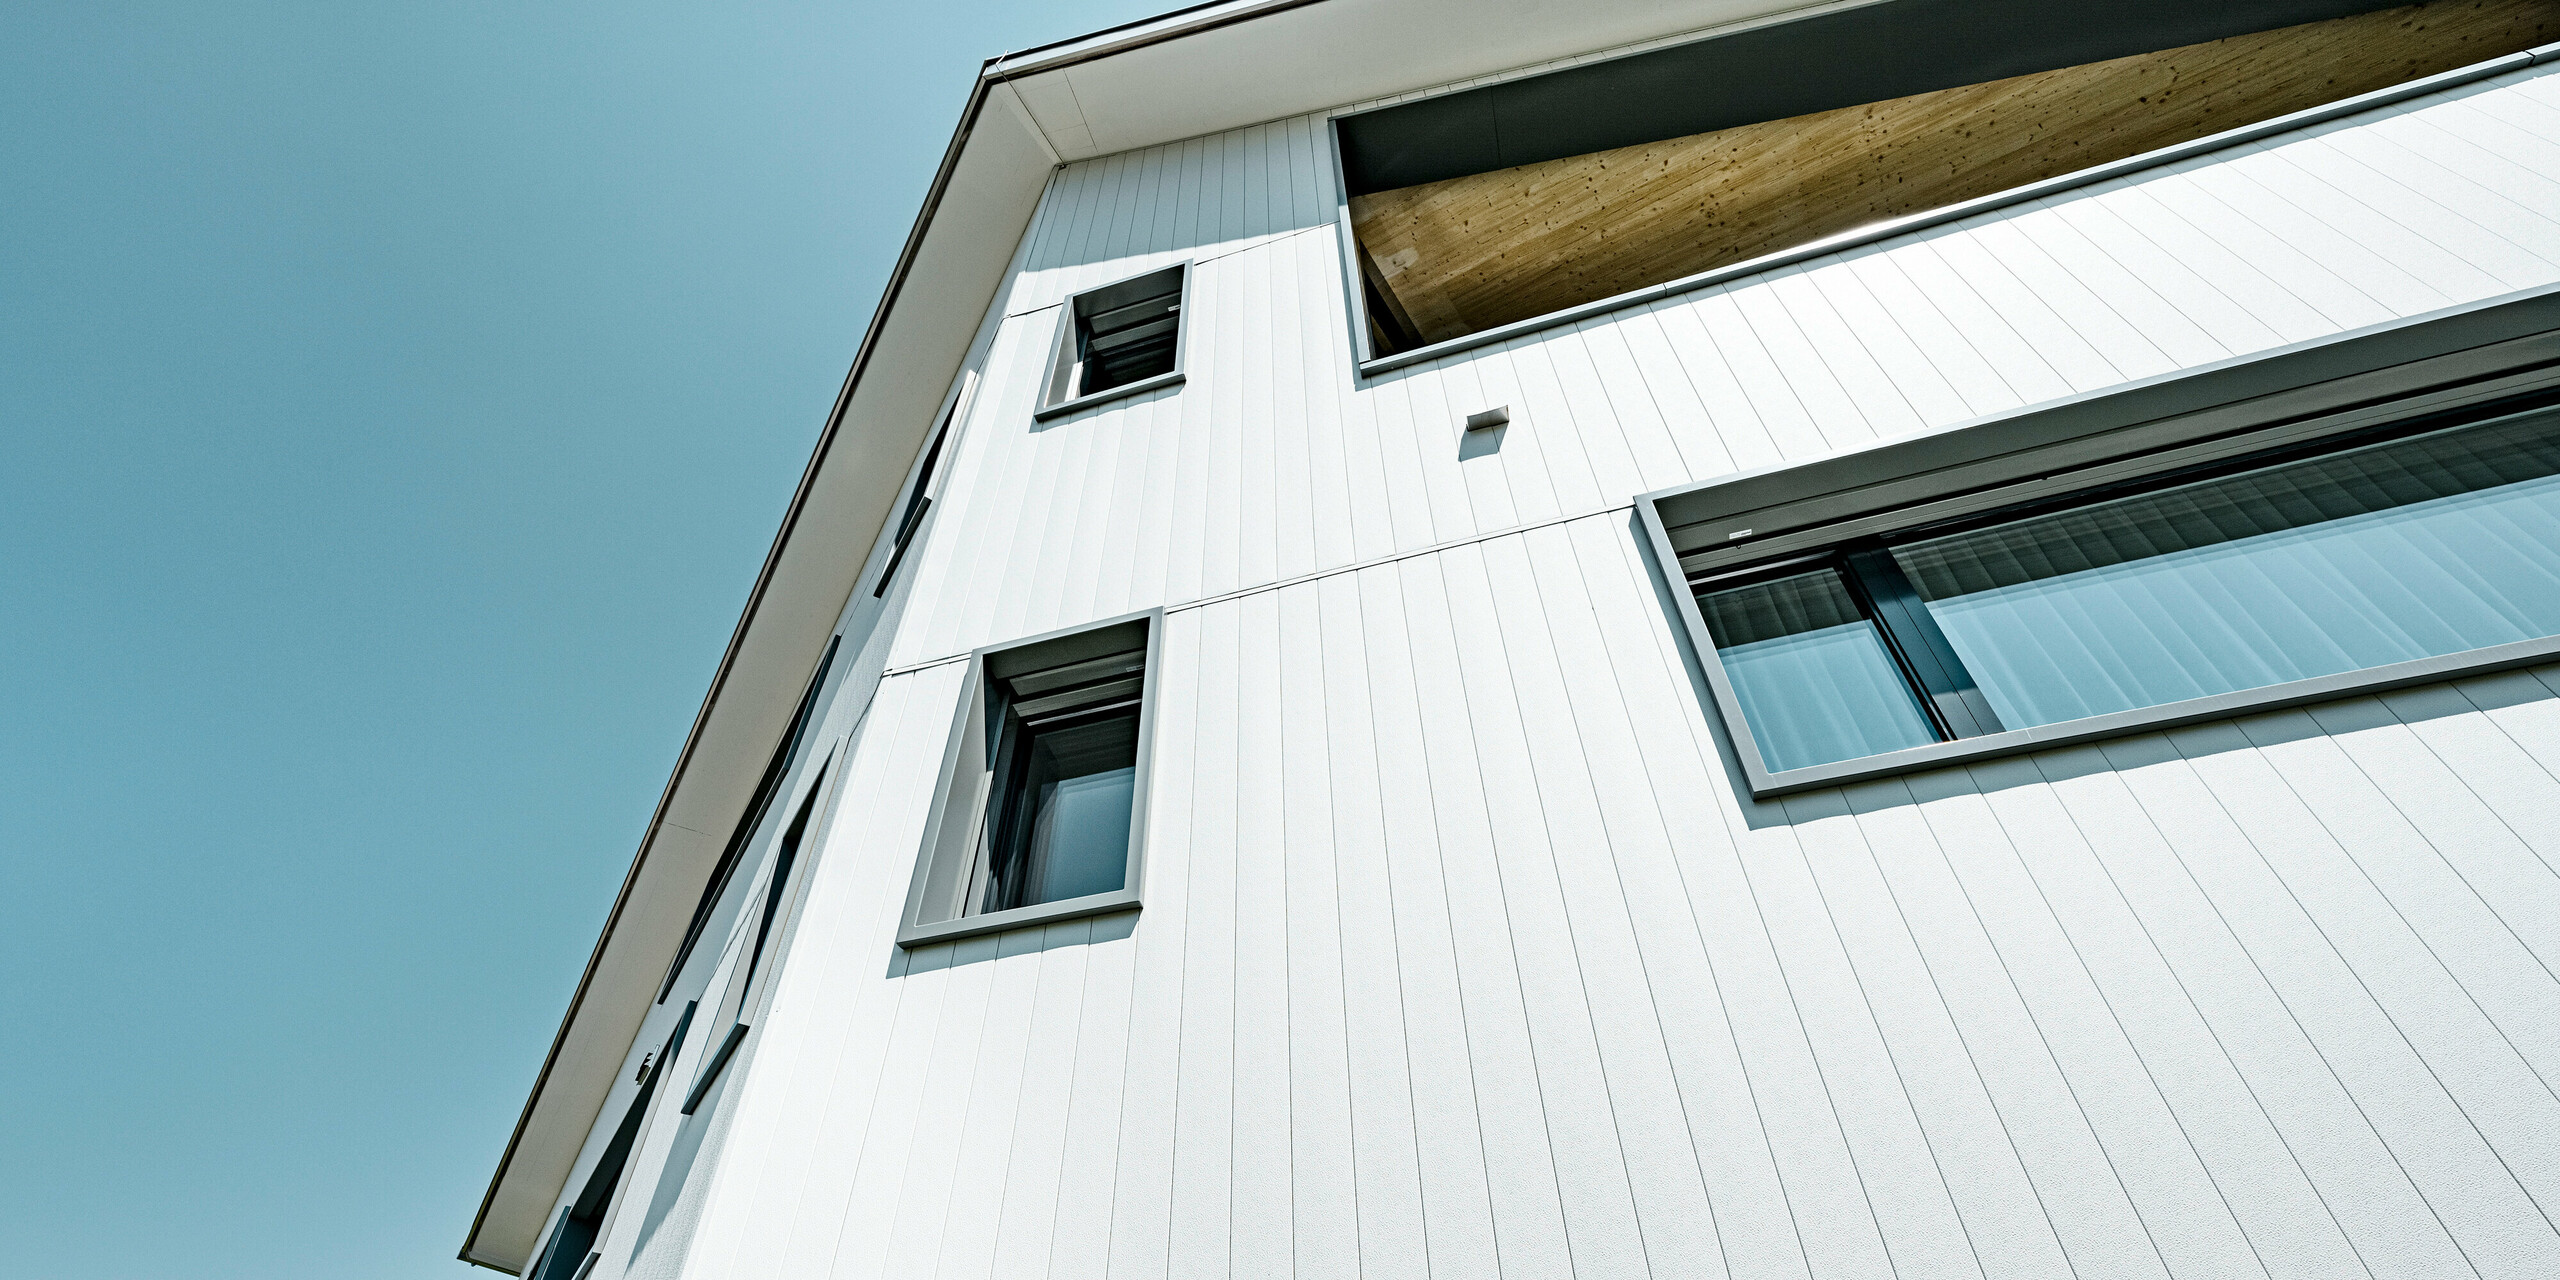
[[395, 404]]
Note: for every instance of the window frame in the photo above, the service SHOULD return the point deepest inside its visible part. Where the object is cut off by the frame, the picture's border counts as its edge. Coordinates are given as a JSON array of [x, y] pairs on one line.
[[2462, 359], [963, 794], [1062, 344]]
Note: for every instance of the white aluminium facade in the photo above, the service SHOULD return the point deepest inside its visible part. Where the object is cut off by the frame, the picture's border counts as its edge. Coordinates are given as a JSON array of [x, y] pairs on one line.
[[1460, 938]]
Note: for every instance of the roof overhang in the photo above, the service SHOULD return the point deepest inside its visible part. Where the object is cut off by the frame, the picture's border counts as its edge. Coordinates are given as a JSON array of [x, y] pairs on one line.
[[1193, 72]]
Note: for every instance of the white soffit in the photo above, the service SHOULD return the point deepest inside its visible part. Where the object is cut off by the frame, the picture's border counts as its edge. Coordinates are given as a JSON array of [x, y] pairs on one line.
[[1140, 86]]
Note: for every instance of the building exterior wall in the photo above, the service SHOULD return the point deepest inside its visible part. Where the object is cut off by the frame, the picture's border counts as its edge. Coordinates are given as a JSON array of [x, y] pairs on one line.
[[1463, 952]]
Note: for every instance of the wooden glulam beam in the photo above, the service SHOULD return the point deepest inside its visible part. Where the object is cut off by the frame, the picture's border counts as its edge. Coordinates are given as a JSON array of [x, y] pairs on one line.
[[1470, 253]]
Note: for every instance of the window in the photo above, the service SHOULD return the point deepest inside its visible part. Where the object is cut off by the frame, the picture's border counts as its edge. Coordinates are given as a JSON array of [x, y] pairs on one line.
[[1118, 340], [1043, 786], [2268, 566]]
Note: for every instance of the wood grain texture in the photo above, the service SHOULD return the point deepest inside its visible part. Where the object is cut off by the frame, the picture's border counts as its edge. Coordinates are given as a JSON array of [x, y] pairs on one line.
[[1471, 253]]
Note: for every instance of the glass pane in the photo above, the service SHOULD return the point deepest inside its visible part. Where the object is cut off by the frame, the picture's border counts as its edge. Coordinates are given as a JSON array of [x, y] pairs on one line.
[[1814, 677], [1079, 784], [2409, 549]]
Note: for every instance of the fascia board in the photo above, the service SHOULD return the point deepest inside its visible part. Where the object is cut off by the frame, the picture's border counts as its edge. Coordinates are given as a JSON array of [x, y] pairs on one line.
[[955, 257], [1227, 66]]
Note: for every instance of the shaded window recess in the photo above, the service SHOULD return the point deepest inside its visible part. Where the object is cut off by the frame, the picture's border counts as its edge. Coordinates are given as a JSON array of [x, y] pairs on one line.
[[1044, 785], [1495, 205], [775, 770], [569, 1253], [2428, 539], [919, 501], [776, 891], [1118, 340]]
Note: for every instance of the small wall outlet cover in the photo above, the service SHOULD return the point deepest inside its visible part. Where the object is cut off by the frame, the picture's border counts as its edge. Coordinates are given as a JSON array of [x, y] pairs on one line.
[[1489, 419]]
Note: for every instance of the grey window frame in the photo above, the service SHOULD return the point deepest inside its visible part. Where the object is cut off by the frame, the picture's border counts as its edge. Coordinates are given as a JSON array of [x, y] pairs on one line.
[[2441, 362], [1054, 400], [963, 791]]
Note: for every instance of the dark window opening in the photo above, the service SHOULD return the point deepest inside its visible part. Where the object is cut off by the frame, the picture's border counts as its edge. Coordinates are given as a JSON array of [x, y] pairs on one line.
[[918, 502], [2425, 541], [1120, 335], [1066, 766]]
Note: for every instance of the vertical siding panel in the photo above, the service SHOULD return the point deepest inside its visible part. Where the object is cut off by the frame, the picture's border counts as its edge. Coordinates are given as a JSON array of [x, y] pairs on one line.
[[1222, 340], [1385, 1171], [1685, 414], [1261, 1173], [1195, 1219], [1449, 1145], [1603, 376], [1763, 384], [1597, 450], [2239, 184], [1987, 841], [1801, 305], [1810, 384], [2071, 1179], [2487, 808], [985, 1000], [1064, 1229], [2398, 845], [1012, 1092], [1615, 855], [833, 1032], [1324, 1185], [1133, 1111], [1061, 451], [1528, 1215], [1977, 1167], [1904, 1184], [1350, 417], [1310, 262], [2323, 1128], [2119, 326], [2456, 256], [1904, 370], [1756, 1227], [1020, 1207], [2477, 1198], [2180, 319], [1542, 475], [1479, 458], [977, 502], [1949, 350], [2026, 367], [2135, 228], [2257, 1183], [1487, 605], [927, 1000], [2479, 1067], [1295, 542], [1250, 375], [2400, 151]]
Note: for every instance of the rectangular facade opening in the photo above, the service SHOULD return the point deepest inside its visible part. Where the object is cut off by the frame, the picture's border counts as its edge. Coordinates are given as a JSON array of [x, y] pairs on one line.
[[2427, 539], [1501, 204], [1119, 339], [1044, 786]]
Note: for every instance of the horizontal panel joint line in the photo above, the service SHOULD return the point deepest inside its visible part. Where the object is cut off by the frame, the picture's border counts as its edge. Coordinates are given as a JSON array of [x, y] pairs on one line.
[[1201, 602]]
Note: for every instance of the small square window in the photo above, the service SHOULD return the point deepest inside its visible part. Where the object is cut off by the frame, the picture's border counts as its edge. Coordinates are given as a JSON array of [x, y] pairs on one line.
[[1040, 812], [1118, 340]]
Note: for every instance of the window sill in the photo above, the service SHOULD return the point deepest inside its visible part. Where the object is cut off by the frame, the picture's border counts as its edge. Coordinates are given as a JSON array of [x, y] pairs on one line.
[[2398, 675], [1140, 387], [925, 935]]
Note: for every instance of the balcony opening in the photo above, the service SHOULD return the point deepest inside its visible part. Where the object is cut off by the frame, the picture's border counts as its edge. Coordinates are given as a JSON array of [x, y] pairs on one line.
[[1495, 205]]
